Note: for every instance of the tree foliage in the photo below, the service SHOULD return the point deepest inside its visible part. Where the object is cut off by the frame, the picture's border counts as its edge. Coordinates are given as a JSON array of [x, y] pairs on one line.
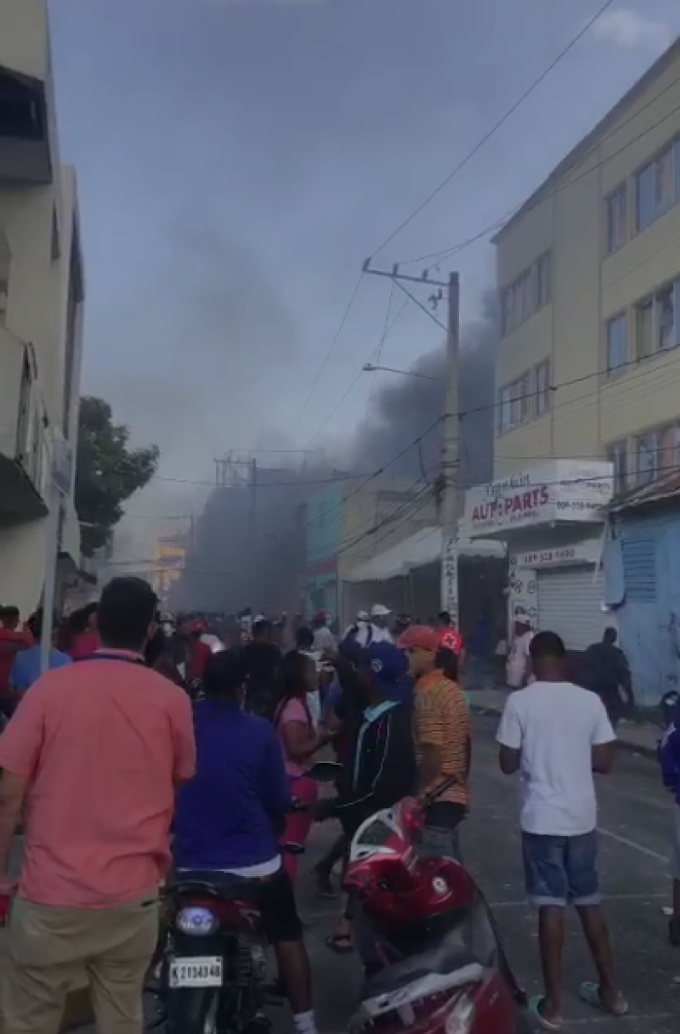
[[108, 472]]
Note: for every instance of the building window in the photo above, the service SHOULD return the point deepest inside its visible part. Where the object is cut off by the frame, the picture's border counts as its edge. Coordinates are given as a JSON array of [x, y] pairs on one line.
[[527, 294], [657, 186], [657, 453], [646, 458], [616, 214], [657, 321], [543, 280], [617, 343], [542, 381], [514, 403], [617, 454], [644, 328]]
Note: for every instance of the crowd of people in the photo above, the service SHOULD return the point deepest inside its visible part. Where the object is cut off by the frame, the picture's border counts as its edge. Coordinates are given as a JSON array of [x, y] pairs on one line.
[[145, 749]]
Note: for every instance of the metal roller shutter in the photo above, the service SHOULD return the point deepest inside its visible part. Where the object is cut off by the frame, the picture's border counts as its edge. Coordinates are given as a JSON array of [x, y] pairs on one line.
[[570, 603]]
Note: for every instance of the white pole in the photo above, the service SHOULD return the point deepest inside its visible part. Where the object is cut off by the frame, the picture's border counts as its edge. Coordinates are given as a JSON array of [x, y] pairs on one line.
[[450, 515]]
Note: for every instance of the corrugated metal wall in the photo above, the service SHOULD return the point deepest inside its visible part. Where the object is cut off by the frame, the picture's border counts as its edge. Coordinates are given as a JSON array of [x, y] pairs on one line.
[[649, 619]]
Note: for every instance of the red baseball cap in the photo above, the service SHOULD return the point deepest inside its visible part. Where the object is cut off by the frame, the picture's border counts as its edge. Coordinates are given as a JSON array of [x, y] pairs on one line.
[[419, 637]]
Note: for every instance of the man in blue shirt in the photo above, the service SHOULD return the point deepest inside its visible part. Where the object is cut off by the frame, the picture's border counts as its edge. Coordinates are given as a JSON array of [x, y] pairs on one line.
[[26, 666], [228, 817]]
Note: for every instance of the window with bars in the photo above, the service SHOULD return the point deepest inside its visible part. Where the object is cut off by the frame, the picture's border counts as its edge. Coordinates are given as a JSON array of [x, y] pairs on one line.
[[657, 452], [531, 291], [616, 218], [657, 321], [542, 382], [617, 454], [657, 186], [617, 343], [525, 397]]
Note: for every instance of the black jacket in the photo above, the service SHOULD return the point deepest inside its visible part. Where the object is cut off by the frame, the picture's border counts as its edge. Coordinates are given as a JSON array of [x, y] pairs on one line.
[[383, 767]]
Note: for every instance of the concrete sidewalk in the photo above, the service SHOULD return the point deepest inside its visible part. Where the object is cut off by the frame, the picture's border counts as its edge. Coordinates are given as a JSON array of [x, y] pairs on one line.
[[639, 738]]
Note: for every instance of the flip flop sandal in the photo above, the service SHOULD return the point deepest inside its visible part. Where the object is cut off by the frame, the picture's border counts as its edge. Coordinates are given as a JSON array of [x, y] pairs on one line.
[[590, 994], [534, 1009], [341, 944]]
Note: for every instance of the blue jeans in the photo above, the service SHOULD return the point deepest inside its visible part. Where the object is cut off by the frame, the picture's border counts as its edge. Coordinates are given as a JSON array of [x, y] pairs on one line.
[[561, 870]]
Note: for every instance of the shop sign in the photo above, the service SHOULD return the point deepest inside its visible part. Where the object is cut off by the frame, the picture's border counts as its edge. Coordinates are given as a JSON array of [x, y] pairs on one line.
[[561, 556], [553, 492], [449, 593]]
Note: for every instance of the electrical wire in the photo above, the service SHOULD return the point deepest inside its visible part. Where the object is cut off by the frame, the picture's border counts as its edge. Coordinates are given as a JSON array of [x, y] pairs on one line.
[[330, 351], [497, 125], [608, 381], [539, 196]]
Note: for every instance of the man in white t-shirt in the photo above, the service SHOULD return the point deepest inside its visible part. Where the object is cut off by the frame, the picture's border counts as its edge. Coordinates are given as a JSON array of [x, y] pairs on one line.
[[557, 734], [518, 667]]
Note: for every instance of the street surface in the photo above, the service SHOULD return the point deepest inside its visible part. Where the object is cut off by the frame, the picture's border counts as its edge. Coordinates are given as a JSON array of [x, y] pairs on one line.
[[635, 825]]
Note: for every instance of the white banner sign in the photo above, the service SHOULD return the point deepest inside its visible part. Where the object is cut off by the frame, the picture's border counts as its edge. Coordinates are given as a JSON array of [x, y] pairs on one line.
[[553, 492], [560, 556], [450, 578]]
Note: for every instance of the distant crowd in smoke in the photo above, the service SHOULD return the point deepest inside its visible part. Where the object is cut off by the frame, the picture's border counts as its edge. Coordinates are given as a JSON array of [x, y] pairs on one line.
[[252, 557]]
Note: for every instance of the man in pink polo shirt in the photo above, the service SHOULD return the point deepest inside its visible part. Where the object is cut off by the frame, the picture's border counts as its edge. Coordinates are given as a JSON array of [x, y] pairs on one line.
[[92, 757]]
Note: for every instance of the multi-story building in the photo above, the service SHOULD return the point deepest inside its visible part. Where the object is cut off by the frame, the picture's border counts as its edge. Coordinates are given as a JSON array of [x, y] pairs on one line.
[[350, 521], [41, 309], [588, 369]]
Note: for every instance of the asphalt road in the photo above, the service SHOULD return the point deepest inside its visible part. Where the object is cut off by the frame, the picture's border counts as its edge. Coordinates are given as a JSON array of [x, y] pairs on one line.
[[635, 825]]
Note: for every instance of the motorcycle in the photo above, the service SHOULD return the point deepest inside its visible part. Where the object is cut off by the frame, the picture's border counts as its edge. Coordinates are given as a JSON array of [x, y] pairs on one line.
[[213, 967], [443, 969]]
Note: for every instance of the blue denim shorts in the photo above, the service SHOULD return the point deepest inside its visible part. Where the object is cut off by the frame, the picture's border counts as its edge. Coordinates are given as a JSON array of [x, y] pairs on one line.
[[561, 870]]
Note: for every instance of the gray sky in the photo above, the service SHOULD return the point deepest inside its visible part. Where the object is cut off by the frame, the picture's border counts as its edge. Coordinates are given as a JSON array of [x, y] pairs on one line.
[[238, 159]]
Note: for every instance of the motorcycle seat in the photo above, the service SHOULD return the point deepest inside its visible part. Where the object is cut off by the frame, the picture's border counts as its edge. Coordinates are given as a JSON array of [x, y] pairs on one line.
[[223, 886], [447, 956]]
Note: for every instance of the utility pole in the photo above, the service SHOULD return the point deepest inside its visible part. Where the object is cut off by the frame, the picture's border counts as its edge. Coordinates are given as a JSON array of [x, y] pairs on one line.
[[451, 503]]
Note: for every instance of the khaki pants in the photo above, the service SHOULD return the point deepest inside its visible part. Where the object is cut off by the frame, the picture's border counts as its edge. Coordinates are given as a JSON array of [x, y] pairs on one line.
[[51, 951]]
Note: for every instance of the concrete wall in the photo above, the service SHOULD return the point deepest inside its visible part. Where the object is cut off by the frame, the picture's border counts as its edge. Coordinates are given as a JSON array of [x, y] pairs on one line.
[[589, 286], [324, 524], [380, 514], [649, 618], [39, 226]]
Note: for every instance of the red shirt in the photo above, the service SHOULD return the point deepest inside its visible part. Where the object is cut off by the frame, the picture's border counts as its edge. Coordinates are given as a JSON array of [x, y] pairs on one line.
[[8, 635], [199, 655], [85, 644], [449, 639], [103, 745]]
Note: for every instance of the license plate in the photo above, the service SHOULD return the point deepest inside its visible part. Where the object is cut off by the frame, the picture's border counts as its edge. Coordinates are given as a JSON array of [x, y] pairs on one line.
[[201, 971]]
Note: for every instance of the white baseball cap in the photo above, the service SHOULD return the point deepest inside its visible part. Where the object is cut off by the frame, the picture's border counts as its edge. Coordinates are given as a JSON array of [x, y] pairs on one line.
[[379, 611]]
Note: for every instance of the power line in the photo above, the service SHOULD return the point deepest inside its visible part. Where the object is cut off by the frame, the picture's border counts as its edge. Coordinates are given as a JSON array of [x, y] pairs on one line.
[[330, 351], [387, 329], [461, 415], [494, 129], [542, 196]]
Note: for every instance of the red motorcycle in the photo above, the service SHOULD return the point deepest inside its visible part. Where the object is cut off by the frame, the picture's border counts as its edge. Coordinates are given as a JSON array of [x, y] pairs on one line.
[[443, 968]]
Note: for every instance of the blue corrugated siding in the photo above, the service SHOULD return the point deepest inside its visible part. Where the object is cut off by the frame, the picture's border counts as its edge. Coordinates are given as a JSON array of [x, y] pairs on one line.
[[639, 569], [649, 618]]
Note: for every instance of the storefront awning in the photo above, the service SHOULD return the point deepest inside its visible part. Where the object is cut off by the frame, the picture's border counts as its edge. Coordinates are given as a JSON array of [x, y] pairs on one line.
[[423, 547]]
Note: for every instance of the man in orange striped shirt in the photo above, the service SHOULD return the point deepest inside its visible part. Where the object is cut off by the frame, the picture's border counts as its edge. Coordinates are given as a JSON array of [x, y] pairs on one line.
[[441, 729]]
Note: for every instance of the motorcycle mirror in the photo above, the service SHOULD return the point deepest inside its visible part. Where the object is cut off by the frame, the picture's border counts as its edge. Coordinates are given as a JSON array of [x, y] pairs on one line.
[[324, 771]]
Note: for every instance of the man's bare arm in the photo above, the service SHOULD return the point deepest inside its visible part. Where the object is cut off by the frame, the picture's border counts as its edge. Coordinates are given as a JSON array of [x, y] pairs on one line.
[[12, 796]]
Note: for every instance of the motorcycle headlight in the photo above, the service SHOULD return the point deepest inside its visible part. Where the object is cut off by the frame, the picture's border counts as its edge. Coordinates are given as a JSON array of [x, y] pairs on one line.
[[461, 1019], [196, 922]]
